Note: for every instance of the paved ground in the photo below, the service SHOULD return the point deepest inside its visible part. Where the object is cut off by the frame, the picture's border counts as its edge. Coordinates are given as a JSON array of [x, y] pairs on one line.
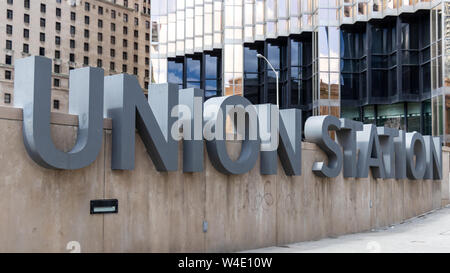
[[426, 233]]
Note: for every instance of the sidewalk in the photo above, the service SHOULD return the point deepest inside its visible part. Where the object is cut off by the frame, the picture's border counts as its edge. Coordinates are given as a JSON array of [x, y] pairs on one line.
[[426, 233]]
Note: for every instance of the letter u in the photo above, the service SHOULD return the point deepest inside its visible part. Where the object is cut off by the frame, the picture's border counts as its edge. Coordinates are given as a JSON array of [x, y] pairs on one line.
[[32, 92]]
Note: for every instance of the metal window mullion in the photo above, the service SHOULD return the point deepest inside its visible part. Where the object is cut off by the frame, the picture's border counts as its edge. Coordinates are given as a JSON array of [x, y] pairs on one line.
[[184, 72], [369, 63], [398, 27]]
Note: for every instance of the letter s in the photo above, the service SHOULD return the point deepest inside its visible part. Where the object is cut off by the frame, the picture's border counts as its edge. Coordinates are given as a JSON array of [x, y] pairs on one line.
[[316, 131]]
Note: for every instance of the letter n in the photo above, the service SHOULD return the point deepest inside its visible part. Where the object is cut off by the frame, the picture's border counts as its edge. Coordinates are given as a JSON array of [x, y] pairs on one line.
[[128, 107], [433, 151]]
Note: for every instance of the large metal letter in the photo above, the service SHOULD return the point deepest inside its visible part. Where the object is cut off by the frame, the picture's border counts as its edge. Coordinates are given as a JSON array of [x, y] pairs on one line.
[[216, 111], [400, 155], [290, 148], [386, 136], [127, 105], [289, 134], [268, 118], [434, 158], [316, 131], [347, 139], [369, 153], [415, 156], [192, 98], [33, 93]]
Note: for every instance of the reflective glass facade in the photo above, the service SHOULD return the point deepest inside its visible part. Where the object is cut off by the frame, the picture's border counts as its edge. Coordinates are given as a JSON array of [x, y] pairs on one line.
[[201, 70], [291, 57], [386, 64], [378, 61]]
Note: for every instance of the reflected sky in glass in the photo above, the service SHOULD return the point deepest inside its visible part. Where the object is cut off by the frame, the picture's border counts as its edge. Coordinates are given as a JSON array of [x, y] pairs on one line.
[[250, 60], [175, 72], [211, 66], [193, 69], [273, 54]]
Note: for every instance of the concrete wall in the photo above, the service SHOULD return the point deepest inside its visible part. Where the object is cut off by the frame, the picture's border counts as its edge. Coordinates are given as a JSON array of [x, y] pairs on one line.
[[42, 210]]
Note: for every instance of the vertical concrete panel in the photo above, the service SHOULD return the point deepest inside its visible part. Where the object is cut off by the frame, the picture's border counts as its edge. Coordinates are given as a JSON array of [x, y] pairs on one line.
[[388, 201], [42, 209], [312, 208], [397, 207], [412, 198], [382, 201], [339, 209], [248, 203], [158, 212], [357, 204], [218, 237], [291, 222], [373, 200], [427, 195], [436, 194], [313, 202]]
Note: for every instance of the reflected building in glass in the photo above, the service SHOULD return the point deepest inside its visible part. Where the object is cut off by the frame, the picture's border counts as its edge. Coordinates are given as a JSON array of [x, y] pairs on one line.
[[384, 62]]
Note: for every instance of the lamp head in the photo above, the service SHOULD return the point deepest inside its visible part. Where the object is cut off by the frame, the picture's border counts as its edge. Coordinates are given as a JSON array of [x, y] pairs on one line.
[[259, 55]]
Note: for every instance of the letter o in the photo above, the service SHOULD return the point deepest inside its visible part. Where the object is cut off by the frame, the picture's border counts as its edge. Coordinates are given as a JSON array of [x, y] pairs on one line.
[[415, 146], [217, 150]]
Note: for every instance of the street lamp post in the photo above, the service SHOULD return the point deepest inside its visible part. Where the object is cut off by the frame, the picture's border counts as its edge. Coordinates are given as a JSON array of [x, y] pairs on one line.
[[276, 75]]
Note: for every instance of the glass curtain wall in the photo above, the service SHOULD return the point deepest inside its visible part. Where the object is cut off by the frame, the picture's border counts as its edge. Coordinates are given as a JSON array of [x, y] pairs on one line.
[[391, 115], [383, 61], [191, 27], [353, 65], [197, 71], [413, 119], [326, 49], [393, 75], [427, 121], [291, 57], [409, 116], [440, 54]]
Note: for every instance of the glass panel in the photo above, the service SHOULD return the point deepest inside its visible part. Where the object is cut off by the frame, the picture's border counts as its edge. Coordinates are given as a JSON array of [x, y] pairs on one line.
[[250, 60], [369, 114], [296, 53], [380, 83], [211, 66], [213, 81], [391, 115], [274, 57], [175, 72], [350, 113], [252, 75], [273, 54], [193, 69], [333, 35], [410, 79], [349, 86], [427, 119], [413, 116], [426, 83]]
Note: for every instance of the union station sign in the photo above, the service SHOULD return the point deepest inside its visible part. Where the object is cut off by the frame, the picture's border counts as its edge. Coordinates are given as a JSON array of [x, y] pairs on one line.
[[170, 115]]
